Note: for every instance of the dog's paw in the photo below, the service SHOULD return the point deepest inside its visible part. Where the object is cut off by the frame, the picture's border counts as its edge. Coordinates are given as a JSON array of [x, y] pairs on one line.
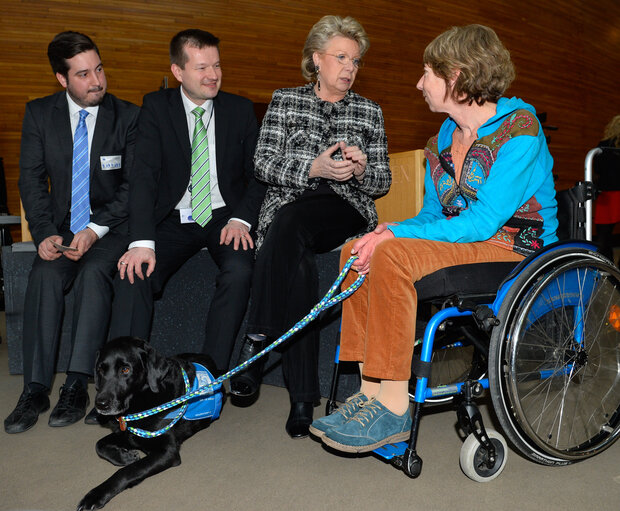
[[94, 499], [124, 457], [117, 455]]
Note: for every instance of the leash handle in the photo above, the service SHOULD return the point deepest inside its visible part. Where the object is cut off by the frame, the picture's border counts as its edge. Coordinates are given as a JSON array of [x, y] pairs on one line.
[[326, 302]]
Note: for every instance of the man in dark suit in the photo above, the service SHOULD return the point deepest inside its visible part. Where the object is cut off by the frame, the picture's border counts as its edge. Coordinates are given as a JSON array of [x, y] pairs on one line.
[[76, 151], [192, 187]]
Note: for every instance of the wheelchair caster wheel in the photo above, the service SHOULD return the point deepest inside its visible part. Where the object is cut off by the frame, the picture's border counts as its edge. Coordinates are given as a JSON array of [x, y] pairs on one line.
[[411, 464], [474, 458]]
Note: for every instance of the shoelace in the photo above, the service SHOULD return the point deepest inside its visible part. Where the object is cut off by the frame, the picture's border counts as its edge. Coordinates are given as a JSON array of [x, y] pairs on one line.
[[351, 405], [67, 396], [367, 411], [24, 401]]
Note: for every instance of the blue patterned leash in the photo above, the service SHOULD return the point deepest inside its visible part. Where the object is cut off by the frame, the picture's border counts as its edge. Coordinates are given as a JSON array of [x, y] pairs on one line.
[[329, 300], [152, 434]]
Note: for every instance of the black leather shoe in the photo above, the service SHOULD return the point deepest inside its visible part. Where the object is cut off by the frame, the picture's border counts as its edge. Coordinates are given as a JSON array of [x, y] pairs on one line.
[[26, 413], [299, 420], [246, 383], [71, 405], [94, 417]]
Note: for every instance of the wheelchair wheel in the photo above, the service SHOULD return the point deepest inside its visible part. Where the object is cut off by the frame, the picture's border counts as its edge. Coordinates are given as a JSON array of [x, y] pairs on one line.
[[473, 458], [554, 360]]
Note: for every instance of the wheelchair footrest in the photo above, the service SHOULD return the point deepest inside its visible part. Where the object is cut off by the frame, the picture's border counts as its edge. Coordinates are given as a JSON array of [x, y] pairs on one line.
[[390, 451]]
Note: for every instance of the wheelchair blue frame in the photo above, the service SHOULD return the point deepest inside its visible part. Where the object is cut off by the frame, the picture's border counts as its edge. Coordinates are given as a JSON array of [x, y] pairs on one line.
[[423, 392]]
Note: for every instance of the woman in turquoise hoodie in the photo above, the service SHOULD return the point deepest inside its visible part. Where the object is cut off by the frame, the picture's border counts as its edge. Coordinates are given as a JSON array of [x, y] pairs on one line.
[[489, 196]]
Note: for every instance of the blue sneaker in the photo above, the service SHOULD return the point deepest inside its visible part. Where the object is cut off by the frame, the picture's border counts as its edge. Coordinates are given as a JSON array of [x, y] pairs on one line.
[[371, 427], [339, 416]]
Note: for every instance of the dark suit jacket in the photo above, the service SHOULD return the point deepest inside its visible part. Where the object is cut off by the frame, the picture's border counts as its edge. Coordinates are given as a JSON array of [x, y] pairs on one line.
[[163, 159], [46, 160]]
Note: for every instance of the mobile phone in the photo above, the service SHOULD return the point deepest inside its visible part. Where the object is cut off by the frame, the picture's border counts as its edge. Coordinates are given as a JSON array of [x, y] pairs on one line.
[[64, 248]]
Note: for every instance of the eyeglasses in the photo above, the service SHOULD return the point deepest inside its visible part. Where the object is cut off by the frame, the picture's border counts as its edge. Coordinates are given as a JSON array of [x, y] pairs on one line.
[[343, 60]]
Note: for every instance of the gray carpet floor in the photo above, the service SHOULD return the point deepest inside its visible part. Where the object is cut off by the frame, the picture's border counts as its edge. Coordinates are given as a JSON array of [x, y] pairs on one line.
[[245, 461]]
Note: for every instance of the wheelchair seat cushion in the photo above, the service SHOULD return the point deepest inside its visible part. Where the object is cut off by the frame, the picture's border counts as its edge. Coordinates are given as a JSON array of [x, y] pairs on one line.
[[477, 278]]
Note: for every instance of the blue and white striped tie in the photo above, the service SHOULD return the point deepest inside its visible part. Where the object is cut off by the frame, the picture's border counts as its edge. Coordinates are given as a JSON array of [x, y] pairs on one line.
[[80, 199]]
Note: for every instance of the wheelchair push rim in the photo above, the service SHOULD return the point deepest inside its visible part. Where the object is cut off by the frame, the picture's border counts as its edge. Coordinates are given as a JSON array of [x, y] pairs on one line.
[[555, 360]]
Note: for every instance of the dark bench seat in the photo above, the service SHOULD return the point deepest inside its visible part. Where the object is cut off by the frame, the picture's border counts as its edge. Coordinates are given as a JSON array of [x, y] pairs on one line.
[[175, 329]]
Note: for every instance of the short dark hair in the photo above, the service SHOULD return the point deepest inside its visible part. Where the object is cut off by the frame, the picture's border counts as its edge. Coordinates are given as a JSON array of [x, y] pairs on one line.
[[193, 37], [67, 45]]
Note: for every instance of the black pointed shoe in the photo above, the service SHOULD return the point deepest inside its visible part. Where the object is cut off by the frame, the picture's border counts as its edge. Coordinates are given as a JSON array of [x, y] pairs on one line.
[[71, 405], [26, 413], [299, 420], [94, 417], [246, 383]]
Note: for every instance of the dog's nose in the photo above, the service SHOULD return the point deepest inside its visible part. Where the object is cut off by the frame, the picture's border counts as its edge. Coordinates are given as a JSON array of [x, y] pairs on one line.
[[102, 404]]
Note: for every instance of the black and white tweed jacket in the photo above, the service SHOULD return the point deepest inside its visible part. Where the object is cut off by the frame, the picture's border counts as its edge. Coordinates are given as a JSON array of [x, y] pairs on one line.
[[297, 127]]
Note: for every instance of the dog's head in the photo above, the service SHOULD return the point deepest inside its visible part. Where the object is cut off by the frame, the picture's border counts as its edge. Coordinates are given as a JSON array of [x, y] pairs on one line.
[[125, 367]]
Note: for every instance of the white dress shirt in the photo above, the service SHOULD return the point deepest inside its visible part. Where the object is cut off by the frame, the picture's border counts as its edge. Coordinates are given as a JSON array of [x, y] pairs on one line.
[[217, 201]]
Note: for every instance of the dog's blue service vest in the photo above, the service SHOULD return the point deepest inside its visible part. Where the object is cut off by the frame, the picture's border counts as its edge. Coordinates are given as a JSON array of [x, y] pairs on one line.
[[207, 406]]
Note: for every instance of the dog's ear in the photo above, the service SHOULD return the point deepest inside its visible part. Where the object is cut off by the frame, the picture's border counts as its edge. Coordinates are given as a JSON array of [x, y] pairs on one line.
[[157, 368]]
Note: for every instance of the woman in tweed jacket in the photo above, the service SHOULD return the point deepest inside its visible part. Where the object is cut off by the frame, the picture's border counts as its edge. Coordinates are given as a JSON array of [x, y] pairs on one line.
[[322, 151]]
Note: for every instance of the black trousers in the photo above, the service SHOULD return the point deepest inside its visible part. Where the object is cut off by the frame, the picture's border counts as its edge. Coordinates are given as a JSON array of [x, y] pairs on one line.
[[285, 284], [132, 310], [91, 278]]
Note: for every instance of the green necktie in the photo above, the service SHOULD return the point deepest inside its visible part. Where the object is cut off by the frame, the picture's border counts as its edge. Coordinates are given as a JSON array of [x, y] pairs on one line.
[[201, 178]]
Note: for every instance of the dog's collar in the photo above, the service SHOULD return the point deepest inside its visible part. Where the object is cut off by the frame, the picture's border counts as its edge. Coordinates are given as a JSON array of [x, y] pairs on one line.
[[122, 421]]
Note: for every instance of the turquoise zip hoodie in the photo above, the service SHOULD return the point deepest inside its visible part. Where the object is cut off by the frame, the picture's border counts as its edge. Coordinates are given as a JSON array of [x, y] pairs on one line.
[[505, 195]]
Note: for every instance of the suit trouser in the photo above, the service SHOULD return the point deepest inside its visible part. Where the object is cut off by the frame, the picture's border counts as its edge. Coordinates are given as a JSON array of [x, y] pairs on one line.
[[175, 243], [91, 279], [285, 285], [378, 320]]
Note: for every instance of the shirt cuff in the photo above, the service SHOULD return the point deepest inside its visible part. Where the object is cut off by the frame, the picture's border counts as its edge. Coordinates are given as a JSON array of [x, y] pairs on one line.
[[249, 226], [142, 244], [100, 230]]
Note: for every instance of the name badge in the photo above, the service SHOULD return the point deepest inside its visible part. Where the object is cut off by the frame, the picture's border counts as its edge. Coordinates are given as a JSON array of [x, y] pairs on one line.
[[186, 216], [110, 162]]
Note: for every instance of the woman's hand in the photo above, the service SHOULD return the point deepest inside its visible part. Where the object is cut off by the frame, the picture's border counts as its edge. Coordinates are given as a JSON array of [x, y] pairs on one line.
[[365, 246], [326, 167], [359, 159]]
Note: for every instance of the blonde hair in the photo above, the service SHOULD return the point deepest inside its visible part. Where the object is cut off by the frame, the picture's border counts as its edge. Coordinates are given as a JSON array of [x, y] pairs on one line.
[[320, 34], [483, 63], [612, 131]]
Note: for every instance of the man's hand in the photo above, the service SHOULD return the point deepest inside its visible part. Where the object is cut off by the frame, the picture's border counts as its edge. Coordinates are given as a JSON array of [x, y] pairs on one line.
[[365, 246], [326, 167], [131, 262], [238, 233], [47, 251], [359, 159], [83, 240]]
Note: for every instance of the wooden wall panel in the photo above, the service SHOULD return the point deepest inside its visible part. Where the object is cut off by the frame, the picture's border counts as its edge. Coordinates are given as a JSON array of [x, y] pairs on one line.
[[567, 55]]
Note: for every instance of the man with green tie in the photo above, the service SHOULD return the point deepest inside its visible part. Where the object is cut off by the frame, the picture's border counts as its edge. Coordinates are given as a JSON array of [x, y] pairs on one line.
[[192, 186]]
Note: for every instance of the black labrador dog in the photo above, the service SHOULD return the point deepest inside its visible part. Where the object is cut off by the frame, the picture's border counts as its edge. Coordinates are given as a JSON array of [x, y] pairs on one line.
[[131, 377]]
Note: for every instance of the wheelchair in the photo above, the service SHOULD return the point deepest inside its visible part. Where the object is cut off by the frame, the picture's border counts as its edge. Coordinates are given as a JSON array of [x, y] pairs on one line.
[[542, 337]]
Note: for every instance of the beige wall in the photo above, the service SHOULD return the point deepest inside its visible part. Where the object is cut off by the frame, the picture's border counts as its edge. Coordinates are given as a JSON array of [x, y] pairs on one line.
[[567, 55]]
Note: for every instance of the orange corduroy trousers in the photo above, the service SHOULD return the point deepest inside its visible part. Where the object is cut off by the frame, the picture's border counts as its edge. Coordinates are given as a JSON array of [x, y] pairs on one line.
[[378, 320]]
